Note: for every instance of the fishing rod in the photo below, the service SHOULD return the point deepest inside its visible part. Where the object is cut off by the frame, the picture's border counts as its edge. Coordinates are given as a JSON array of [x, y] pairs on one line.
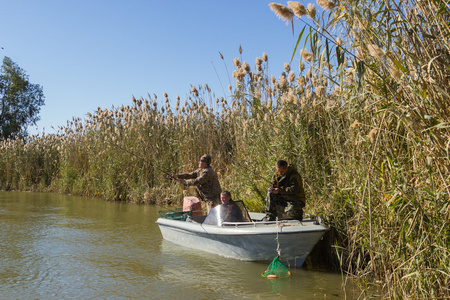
[[170, 175], [334, 42], [252, 173]]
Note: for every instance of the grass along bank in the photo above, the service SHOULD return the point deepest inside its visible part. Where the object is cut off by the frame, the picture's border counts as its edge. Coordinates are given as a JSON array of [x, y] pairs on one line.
[[363, 115]]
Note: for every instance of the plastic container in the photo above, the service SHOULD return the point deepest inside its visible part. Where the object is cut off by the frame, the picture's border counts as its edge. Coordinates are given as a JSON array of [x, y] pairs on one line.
[[194, 203]]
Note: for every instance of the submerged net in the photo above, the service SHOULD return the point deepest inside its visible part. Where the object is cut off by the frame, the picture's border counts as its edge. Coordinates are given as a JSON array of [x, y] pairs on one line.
[[276, 269]]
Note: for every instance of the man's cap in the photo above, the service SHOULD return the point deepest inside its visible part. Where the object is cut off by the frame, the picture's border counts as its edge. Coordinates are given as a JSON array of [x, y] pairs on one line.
[[206, 158]]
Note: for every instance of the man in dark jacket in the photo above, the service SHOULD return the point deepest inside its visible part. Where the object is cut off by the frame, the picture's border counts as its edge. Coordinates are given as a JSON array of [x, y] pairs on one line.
[[286, 197]]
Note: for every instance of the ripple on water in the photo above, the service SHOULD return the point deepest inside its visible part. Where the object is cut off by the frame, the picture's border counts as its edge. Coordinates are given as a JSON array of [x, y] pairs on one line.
[[71, 247]]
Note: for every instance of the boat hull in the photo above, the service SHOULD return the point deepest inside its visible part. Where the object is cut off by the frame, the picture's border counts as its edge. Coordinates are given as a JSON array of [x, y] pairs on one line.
[[255, 241]]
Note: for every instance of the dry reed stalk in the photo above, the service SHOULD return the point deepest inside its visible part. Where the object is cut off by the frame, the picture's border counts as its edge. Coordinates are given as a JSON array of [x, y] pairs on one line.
[[318, 132]]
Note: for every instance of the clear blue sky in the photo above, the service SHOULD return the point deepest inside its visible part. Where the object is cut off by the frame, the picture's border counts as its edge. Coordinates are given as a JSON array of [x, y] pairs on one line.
[[94, 53]]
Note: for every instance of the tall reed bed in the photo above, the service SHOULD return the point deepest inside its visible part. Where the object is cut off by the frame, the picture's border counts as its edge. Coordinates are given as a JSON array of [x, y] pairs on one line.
[[387, 144], [363, 115]]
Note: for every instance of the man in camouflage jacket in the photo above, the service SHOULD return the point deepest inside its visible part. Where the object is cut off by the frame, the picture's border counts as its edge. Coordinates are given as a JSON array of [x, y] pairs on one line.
[[205, 180], [286, 196]]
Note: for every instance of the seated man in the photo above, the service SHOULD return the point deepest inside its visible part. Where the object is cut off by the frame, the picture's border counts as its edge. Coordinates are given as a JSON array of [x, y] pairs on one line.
[[230, 212], [286, 197]]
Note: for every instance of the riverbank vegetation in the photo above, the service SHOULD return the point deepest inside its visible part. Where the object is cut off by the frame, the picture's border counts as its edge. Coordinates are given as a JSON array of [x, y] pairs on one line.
[[364, 116]]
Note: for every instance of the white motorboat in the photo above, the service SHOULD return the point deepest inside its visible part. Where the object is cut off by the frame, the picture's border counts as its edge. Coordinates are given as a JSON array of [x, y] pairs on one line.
[[229, 230]]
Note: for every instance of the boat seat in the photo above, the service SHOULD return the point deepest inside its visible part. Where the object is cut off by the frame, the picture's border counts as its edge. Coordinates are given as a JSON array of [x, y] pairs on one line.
[[198, 219]]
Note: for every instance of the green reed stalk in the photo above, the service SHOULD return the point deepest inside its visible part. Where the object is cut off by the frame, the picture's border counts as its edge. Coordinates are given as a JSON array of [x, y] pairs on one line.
[[364, 117]]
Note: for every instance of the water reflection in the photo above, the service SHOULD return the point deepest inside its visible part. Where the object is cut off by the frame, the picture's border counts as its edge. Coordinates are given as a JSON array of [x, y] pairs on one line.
[[58, 246], [231, 278]]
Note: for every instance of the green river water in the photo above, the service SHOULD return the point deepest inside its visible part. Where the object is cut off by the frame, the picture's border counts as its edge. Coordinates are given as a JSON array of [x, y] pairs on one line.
[[64, 247]]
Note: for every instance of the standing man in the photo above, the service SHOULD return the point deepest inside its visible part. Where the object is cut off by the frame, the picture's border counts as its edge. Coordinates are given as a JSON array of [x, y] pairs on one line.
[[286, 197], [205, 180]]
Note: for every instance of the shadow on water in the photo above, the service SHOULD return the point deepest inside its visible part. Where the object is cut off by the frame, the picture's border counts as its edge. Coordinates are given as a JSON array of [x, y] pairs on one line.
[[231, 278], [59, 246]]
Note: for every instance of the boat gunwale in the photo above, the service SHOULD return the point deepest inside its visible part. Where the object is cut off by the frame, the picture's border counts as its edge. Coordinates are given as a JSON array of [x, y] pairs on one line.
[[228, 233]]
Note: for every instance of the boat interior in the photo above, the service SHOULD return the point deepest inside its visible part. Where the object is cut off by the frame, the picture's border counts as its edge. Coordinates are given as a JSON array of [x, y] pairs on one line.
[[229, 214]]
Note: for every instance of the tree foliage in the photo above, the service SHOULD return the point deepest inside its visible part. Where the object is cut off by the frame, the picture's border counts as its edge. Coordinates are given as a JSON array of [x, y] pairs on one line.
[[20, 100]]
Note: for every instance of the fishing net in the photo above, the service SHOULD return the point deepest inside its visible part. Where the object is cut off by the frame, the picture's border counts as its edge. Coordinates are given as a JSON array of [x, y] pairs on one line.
[[276, 269], [175, 214]]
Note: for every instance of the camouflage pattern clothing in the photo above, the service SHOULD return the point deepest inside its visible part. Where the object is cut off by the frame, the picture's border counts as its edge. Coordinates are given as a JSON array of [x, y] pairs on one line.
[[289, 202], [206, 183]]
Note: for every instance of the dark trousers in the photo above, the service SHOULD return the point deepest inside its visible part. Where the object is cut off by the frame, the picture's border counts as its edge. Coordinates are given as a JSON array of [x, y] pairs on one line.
[[277, 206]]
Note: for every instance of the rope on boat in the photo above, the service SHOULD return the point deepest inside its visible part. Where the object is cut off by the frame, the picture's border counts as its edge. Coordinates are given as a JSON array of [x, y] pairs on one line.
[[278, 243], [277, 269]]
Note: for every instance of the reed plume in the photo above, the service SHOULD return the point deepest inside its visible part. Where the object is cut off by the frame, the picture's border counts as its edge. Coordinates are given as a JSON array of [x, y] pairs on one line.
[[283, 12]]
